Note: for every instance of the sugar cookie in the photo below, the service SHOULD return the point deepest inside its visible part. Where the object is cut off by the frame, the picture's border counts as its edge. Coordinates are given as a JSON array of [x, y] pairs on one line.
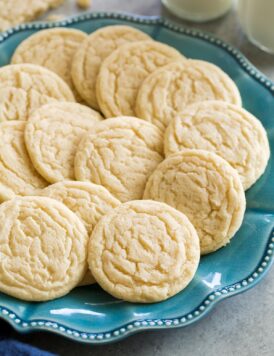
[[26, 87], [122, 73], [226, 129], [52, 48], [88, 201], [43, 247], [92, 52], [207, 189], [52, 135], [120, 154], [167, 91], [14, 12], [17, 174], [144, 251]]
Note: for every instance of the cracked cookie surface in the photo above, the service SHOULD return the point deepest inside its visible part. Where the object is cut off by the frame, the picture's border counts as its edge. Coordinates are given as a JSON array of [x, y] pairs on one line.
[[17, 174], [43, 247], [122, 73], [52, 135], [120, 154], [16, 104], [167, 91], [90, 202], [207, 189], [226, 129], [92, 52], [53, 49], [144, 251], [26, 87]]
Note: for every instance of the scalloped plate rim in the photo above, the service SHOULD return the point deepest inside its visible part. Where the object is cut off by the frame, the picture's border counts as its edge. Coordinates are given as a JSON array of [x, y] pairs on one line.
[[212, 298]]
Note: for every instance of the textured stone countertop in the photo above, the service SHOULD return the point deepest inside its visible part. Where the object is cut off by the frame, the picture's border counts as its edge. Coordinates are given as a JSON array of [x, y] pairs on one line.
[[242, 325]]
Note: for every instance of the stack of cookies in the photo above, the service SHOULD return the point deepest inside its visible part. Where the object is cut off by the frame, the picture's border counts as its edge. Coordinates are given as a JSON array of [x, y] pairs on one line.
[[121, 162]]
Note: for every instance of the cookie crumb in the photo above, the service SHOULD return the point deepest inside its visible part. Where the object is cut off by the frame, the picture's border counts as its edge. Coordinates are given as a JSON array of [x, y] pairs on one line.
[[83, 4]]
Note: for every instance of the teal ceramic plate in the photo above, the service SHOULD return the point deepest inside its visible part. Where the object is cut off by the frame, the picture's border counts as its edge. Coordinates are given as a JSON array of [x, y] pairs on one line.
[[90, 315]]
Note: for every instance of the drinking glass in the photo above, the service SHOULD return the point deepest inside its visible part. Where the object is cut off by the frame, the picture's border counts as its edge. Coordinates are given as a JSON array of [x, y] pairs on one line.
[[198, 10], [257, 20]]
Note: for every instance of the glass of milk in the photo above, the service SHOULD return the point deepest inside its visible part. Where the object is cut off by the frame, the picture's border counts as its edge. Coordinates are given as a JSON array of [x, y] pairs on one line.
[[198, 10], [257, 20]]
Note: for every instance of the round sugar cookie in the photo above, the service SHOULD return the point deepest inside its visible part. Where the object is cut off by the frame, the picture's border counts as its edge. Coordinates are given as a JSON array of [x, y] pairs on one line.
[[26, 87], [43, 247], [88, 201], [226, 129], [167, 91], [52, 48], [120, 154], [207, 189], [122, 73], [52, 135], [92, 52], [144, 251], [17, 174]]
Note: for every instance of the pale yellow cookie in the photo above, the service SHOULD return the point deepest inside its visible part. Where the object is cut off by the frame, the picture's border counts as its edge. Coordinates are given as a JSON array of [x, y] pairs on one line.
[[120, 154], [123, 72], [167, 91], [88, 201], [226, 129], [207, 189], [92, 52], [14, 12], [52, 135], [26, 87], [43, 247], [17, 174], [144, 251], [52, 48]]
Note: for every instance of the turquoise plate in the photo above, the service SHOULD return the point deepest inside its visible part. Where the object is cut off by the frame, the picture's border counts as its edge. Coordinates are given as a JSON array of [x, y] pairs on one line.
[[90, 315]]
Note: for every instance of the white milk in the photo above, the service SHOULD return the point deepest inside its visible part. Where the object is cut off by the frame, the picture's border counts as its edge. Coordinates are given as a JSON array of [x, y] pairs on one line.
[[257, 20], [198, 10]]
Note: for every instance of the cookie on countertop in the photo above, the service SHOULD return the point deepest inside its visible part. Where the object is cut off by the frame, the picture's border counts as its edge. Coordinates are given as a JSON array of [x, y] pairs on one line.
[[92, 52], [122, 73], [206, 189], [144, 251], [226, 129], [52, 135], [26, 87], [52, 48], [43, 247], [17, 174], [14, 12], [90, 202], [167, 91], [120, 154]]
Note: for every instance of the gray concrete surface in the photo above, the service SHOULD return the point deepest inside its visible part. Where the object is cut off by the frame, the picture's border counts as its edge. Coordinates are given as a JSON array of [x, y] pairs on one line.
[[242, 325]]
